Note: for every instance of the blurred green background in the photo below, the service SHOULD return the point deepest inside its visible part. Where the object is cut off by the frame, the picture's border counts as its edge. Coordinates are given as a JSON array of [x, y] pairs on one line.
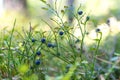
[[26, 11]]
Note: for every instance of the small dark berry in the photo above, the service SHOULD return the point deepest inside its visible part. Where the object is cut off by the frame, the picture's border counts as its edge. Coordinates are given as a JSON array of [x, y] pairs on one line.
[[33, 40], [49, 45], [77, 41], [43, 40], [37, 62], [87, 33], [61, 33], [31, 67], [97, 30], [87, 18], [38, 53], [80, 12], [108, 22]]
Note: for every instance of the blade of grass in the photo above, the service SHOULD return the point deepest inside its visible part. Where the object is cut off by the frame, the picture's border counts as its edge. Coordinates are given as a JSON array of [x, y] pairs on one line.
[[10, 52]]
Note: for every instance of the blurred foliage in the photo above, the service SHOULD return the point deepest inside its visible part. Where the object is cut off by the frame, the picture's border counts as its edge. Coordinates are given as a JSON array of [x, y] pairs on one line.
[[99, 10]]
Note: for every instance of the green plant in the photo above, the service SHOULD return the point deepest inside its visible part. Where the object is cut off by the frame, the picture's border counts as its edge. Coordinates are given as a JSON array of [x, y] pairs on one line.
[[36, 54], [76, 58]]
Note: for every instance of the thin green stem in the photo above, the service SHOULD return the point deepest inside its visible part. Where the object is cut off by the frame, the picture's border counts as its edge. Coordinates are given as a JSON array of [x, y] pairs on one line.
[[96, 52], [10, 56], [53, 34]]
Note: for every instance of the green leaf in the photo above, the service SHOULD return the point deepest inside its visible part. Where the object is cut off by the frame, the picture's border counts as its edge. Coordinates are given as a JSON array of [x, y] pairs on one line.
[[62, 11], [23, 68], [44, 8], [70, 73], [84, 62], [117, 54], [92, 48], [49, 5], [43, 1], [100, 32], [65, 6], [97, 39]]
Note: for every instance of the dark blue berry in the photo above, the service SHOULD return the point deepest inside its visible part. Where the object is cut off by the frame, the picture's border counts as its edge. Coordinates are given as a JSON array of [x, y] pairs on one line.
[[87, 18], [37, 62], [31, 67], [80, 12], [38, 53], [108, 22], [61, 33], [43, 40], [97, 30], [33, 40], [50, 45], [77, 41]]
